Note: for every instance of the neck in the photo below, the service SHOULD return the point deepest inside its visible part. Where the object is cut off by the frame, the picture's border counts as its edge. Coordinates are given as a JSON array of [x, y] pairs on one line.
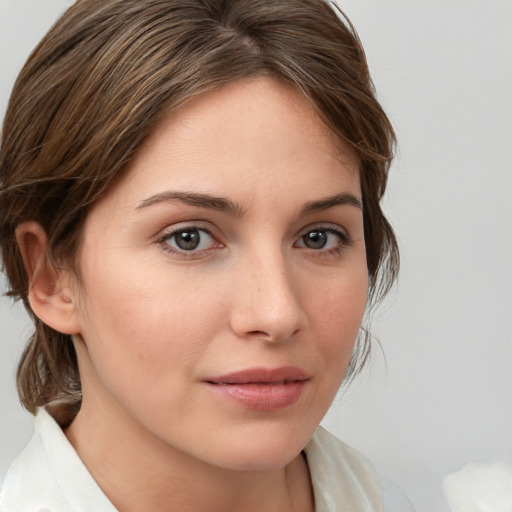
[[138, 471]]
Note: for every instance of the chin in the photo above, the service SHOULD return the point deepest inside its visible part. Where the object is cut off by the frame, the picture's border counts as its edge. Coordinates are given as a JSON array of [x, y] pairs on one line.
[[262, 450], [264, 460]]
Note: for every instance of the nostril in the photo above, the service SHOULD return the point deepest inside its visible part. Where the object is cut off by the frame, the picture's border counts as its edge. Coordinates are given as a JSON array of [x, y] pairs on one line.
[[267, 336], [259, 333]]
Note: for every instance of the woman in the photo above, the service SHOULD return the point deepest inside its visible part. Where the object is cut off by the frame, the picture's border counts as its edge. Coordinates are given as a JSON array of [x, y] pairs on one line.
[[190, 213]]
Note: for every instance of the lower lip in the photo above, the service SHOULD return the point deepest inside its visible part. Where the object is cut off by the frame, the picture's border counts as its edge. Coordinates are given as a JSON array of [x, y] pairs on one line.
[[261, 397]]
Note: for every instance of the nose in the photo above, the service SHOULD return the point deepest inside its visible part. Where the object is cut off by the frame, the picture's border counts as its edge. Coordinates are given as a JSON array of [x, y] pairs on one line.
[[267, 303]]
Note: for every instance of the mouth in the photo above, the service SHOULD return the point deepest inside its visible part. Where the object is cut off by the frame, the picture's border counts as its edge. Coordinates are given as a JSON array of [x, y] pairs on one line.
[[277, 376], [261, 388]]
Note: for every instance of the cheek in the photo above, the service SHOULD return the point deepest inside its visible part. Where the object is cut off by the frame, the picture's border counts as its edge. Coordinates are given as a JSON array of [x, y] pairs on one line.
[[336, 316], [143, 329]]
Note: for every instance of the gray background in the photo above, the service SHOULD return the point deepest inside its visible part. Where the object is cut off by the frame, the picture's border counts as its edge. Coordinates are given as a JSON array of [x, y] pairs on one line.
[[442, 394]]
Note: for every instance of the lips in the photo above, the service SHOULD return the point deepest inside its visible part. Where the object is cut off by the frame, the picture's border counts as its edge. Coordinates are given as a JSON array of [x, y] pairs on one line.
[[282, 375], [261, 388]]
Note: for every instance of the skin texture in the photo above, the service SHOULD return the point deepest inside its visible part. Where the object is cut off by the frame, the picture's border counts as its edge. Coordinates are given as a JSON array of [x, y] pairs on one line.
[[151, 322]]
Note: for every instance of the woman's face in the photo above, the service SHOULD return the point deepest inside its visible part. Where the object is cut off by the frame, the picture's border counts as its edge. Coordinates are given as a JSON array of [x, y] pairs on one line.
[[224, 280]]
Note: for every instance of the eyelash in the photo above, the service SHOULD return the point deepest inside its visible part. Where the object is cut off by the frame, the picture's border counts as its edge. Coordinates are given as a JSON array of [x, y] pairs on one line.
[[166, 237], [344, 241]]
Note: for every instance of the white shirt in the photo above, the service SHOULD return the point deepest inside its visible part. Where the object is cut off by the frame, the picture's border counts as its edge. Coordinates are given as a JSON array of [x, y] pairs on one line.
[[49, 476]]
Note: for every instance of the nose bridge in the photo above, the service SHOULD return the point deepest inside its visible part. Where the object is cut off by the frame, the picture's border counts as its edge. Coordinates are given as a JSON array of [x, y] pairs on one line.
[[267, 302]]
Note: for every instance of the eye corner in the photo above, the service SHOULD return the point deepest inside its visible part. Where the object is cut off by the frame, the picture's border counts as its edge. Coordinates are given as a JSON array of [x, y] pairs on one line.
[[323, 239], [189, 241]]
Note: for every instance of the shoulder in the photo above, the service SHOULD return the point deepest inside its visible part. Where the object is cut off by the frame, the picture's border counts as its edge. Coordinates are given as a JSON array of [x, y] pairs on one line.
[[341, 476], [28, 482], [49, 475]]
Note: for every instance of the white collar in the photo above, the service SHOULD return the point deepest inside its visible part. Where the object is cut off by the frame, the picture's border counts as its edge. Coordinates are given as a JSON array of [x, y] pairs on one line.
[[49, 476]]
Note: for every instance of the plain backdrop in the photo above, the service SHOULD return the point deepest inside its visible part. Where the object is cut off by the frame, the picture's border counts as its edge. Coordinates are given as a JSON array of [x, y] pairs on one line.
[[439, 393]]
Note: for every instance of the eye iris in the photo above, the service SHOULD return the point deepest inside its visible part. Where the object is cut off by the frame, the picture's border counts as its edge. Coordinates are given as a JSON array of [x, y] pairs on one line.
[[188, 240], [315, 239]]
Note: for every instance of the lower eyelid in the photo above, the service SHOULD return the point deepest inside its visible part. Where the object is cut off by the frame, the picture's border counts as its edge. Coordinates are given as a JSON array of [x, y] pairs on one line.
[[164, 241]]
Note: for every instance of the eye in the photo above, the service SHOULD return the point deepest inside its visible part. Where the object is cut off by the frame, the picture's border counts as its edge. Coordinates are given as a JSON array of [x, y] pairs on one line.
[[323, 239], [188, 240]]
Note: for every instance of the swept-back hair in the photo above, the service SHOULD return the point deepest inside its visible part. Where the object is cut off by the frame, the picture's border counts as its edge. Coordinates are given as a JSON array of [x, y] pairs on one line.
[[105, 75]]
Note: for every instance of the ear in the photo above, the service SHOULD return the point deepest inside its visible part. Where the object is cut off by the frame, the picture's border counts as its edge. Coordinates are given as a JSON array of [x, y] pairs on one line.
[[50, 293]]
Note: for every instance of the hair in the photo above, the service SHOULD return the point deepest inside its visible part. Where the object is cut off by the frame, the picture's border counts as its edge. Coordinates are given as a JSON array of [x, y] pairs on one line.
[[104, 76]]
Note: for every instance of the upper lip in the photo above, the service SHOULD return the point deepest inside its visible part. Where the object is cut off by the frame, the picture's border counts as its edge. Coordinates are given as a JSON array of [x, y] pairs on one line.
[[281, 375]]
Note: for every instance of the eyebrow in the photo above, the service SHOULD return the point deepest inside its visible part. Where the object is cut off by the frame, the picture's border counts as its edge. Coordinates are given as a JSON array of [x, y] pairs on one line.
[[225, 205], [342, 199], [195, 199]]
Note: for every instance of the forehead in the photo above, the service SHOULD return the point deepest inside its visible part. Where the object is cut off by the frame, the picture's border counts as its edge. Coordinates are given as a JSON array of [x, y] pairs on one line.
[[236, 137]]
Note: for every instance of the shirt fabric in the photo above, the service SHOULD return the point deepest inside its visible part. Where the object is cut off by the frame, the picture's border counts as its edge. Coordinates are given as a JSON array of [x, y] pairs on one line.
[[49, 476]]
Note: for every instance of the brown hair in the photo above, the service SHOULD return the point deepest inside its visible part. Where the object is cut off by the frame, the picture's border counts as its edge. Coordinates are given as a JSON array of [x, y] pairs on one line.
[[102, 78]]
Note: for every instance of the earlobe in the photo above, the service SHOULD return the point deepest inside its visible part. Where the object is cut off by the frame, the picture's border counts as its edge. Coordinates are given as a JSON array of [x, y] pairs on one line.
[[50, 294]]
